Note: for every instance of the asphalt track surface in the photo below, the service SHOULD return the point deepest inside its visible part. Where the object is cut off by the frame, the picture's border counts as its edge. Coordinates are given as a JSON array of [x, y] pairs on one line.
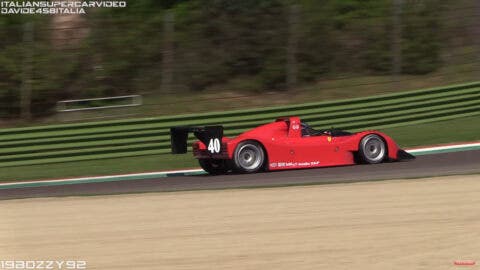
[[466, 162]]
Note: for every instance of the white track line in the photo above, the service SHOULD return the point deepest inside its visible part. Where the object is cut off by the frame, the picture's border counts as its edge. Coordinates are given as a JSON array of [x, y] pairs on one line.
[[446, 147], [104, 177]]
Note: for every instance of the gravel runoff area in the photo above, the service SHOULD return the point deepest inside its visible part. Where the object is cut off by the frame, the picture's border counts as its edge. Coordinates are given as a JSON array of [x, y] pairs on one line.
[[398, 224]]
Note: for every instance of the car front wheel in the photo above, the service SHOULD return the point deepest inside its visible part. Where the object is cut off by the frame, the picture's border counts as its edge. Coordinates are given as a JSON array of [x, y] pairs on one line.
[[372, 149]]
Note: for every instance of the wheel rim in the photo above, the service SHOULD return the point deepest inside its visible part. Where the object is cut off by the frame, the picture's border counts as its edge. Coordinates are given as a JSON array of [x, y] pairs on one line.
[[250, 157], [374, 149]]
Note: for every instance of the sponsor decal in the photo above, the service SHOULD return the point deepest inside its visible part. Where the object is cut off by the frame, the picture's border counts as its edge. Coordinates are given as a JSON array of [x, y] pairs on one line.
[[294, 164]]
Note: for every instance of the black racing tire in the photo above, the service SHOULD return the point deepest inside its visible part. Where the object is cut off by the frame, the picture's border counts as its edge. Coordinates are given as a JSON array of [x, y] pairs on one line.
[[249, 157], [214, 166], [372, 149]]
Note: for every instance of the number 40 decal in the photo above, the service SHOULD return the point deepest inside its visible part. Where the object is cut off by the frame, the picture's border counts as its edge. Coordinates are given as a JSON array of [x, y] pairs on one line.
[[214, 146]]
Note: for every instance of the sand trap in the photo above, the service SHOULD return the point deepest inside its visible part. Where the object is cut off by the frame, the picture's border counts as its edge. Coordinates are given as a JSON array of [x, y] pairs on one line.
[[413, 224]]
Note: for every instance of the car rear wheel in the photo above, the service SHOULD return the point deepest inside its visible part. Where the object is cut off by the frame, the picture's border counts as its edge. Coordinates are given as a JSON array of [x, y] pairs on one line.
[[249, 157], [214, 166], [372, 149]]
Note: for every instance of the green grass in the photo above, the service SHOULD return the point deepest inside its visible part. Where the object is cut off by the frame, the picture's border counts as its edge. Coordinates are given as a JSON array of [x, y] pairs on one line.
[[347, 86], [149, 136], [98, 167], [229, 96], [458, 130]]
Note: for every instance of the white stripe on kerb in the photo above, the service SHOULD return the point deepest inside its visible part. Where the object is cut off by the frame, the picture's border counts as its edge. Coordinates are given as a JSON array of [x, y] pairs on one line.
[[447, 147]]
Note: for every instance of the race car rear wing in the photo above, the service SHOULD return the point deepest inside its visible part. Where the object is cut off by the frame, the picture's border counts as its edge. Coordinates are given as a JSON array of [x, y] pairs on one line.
[[211, 136]]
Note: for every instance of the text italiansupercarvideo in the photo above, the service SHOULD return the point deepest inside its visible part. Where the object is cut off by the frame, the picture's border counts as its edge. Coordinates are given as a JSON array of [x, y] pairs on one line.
[[62, 4]]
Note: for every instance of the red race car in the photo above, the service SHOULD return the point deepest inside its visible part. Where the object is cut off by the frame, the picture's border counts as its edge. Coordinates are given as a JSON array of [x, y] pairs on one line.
[[284, 144]]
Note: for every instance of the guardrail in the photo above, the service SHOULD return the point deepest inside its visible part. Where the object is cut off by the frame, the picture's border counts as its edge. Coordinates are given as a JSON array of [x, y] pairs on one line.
[[108, 103], [150, 136]]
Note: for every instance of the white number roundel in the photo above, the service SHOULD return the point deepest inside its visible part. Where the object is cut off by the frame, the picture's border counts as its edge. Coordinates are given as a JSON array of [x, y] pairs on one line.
[[214, 146]]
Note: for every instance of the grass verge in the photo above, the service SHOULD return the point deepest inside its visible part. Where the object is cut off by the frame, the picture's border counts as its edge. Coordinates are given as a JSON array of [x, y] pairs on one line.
[[458, 130], [231, 96]]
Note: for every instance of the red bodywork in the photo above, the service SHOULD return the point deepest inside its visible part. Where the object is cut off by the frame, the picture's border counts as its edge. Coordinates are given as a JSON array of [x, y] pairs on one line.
[[287, 149]]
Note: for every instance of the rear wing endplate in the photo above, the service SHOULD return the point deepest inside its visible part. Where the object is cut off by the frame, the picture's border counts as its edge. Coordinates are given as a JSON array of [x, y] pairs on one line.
[[211, 136]]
